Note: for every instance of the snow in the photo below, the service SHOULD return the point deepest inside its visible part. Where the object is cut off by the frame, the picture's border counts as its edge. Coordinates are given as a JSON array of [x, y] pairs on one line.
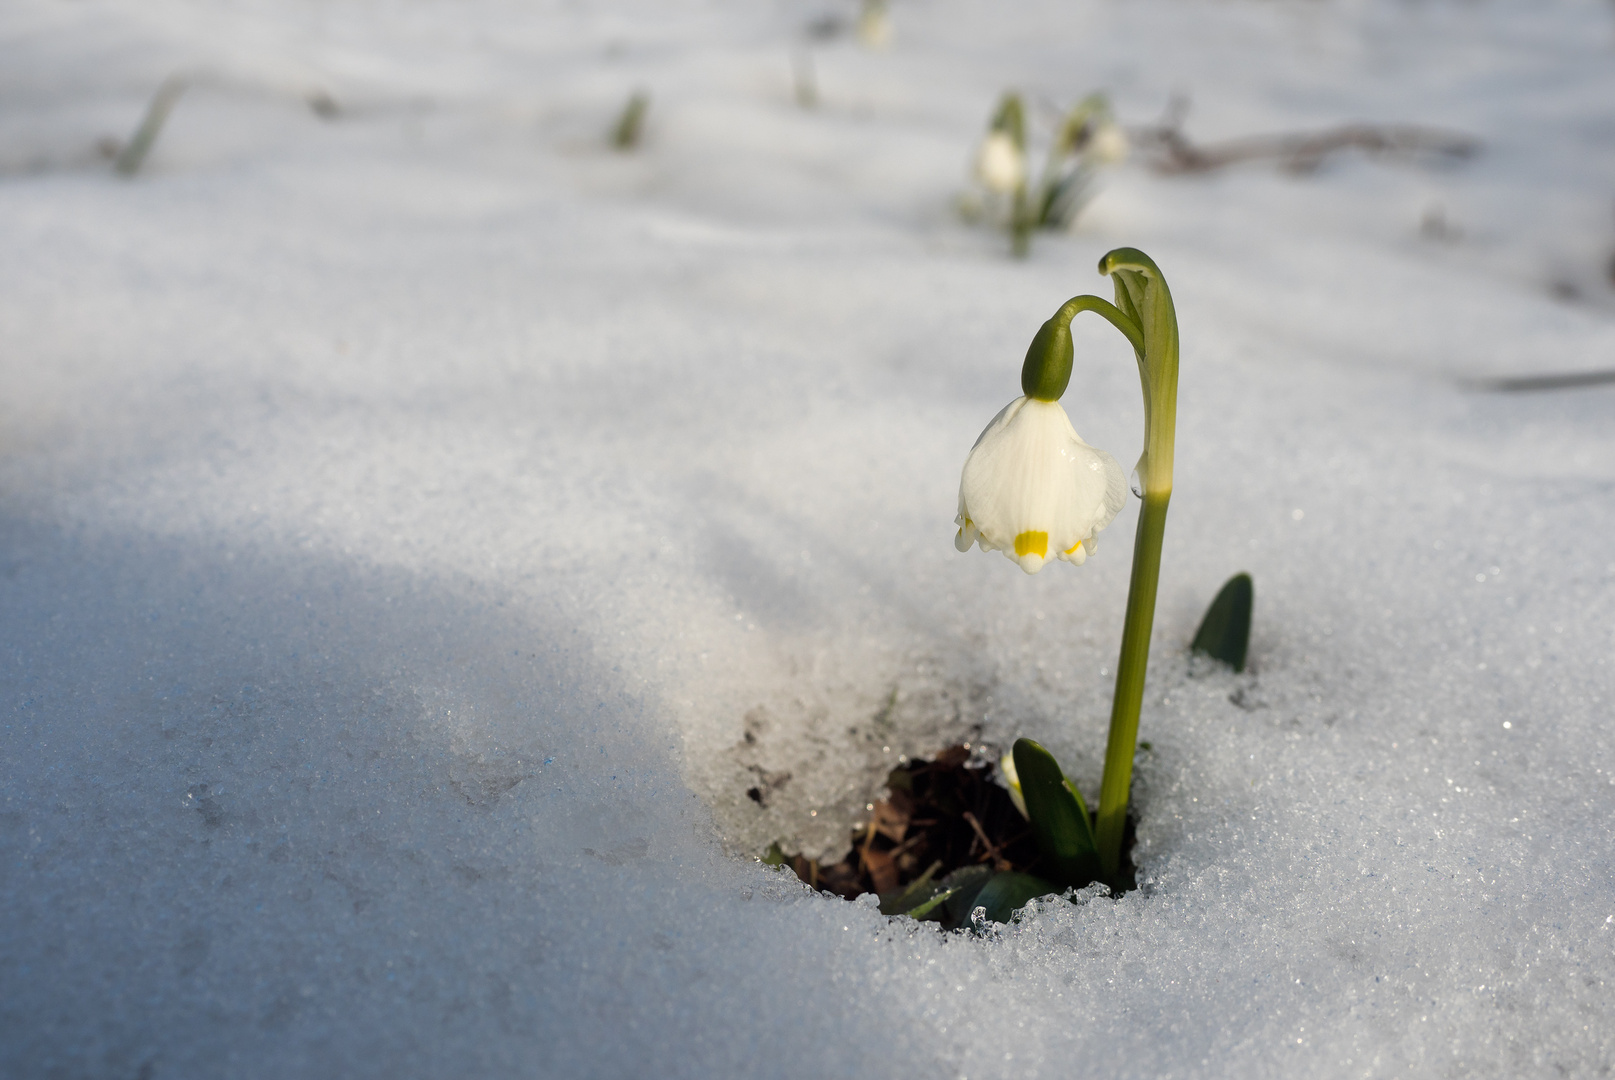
[[406, 518]]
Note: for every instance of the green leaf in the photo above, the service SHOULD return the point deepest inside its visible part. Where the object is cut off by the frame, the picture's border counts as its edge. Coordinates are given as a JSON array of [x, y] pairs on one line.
[[928, 910], [1225, 632], [1064, 199], [918, 893], [775, 855], [1006, 893], [965, 882], [1060, 823]]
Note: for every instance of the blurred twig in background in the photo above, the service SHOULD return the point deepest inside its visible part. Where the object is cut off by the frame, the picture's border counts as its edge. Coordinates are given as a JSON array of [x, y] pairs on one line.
[[323, 104], [1572, 380], [825, 27], [1299, 152]]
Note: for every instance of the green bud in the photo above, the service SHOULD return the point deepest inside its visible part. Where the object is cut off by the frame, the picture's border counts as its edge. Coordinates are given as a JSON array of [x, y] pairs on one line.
[[1048, 362]]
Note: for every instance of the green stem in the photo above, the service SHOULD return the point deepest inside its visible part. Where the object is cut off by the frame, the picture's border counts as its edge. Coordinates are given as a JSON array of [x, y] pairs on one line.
[[1135, 658], [1142, 298], [1088, 302], [1020, 224]]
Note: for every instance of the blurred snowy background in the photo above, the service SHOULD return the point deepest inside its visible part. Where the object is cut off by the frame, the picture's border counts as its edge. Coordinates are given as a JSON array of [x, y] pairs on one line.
[[421, 524]]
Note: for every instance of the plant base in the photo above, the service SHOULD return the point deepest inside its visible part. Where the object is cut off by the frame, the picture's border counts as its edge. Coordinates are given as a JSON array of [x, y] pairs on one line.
[[944, 819]]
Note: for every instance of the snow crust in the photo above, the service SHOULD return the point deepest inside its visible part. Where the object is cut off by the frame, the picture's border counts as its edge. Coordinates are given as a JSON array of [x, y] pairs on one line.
[[419, 528]]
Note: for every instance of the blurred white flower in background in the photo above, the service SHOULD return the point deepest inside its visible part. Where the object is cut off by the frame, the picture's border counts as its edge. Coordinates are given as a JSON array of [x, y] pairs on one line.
[[874, 25], [1031, 486], [1107, 145], [1000, 164]]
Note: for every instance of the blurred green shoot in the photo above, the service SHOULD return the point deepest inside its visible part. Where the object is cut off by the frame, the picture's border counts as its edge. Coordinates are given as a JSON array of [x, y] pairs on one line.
[[1086, 139], [129, 159], [630, 126]]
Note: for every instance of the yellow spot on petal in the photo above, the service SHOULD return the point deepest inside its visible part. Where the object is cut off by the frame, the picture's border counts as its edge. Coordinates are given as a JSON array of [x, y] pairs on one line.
[[1073, 547], [1032, 543]]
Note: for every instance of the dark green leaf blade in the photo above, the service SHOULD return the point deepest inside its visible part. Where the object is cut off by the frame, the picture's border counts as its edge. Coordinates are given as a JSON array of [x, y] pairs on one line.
[[965, 883], [1006, 893], [1225, 631], [1060, 822], [1082, 804]]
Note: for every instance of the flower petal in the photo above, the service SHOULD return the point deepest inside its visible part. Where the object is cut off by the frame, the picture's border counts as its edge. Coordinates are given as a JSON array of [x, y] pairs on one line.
[[1031, 485]]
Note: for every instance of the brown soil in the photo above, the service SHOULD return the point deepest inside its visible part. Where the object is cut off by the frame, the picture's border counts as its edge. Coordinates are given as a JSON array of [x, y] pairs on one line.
[[938, 816]]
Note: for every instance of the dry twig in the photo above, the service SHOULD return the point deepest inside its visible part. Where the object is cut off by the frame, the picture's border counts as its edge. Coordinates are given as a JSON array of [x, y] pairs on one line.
[[1299, 152]]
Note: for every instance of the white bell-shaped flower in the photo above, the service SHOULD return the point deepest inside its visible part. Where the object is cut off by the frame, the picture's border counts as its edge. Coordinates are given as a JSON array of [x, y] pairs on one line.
[[1034, 490], [1000, 163]]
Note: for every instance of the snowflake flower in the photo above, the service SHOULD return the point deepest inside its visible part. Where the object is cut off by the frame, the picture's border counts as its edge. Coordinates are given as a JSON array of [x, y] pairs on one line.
[[1032, 487], [1000, 163]]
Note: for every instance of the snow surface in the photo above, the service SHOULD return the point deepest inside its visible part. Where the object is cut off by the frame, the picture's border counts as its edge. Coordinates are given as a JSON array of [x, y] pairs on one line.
[[406, 518]]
